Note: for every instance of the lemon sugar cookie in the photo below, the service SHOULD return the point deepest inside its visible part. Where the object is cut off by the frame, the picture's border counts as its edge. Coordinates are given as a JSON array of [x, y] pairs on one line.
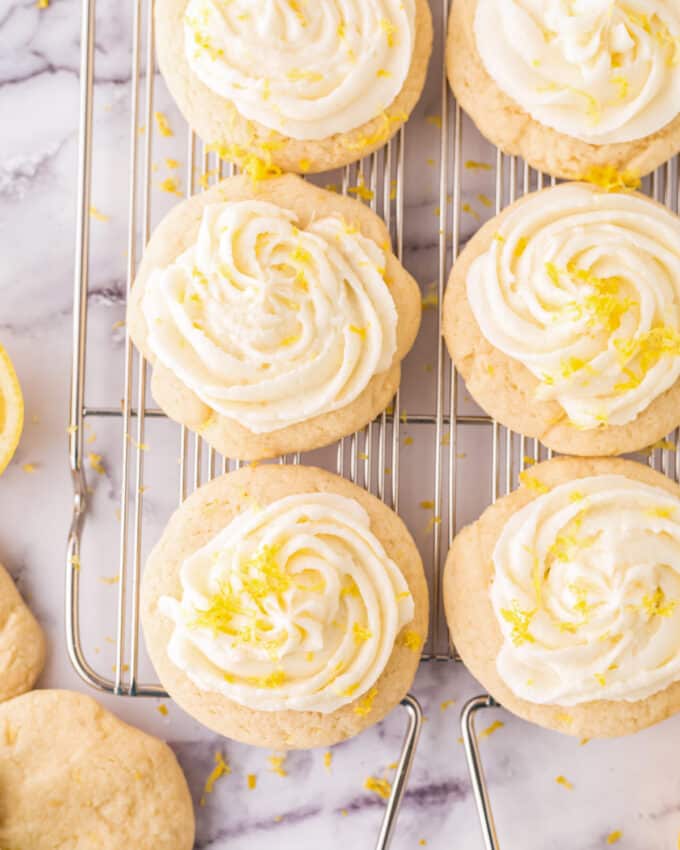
[[275, 316], [571, 87], [73, 775], [11, 410], [308, 85], [285, 607], [562, 314], [22, 642], [563, 599]]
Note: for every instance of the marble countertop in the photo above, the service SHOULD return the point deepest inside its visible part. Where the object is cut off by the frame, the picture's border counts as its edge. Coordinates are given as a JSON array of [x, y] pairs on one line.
[[631, 785]]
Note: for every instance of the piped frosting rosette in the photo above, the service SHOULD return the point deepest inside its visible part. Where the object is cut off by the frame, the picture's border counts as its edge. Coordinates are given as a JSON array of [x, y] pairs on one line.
[[582, 287], [269, 324], [586, 591], [295, 605], [308, 69], [602, 71]]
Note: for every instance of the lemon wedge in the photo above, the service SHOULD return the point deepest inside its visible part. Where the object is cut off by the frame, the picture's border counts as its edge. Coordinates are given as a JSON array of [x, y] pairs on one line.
[[11, 410]]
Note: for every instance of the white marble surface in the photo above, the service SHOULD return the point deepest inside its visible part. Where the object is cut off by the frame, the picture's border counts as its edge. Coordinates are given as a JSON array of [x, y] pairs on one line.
[[631, 785]]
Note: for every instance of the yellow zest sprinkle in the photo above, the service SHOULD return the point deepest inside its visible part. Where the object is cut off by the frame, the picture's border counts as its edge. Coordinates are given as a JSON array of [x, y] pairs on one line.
[[251, 781], [435, 120], [162, 709], [601, 679], [520, 621], [660, 512], [528, 461], [358, 331], [221, 769], [520, 247], [96, 463], [381, 787], [563, 717], [447, 704], [494, 727], [305, 165], [389, 29], [29, 468], [408, 441], [276, 765], [615, 836], [362, 456], [656, 604], [411, 640], [361, 190], [361, 633], [433, 522], [296, 75], [533, 483], [422, 842], [109, 579], [381, 72], [327, 759], [608, 178], [170, 186], [42, 4], [172, 164], [564, 782], [365, 704], [470, 211], [163, 126], [96, 214], [427, 505], [74, 561], [256, 167], [665, 445], [484, 200], [473, 165]]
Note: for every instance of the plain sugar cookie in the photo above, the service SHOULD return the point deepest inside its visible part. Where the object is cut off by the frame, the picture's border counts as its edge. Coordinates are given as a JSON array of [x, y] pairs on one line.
[[514, 73], [73, 775], [561, 315], [275, 316], [285, 607], [562, 599], [322, 84], [22, 642]]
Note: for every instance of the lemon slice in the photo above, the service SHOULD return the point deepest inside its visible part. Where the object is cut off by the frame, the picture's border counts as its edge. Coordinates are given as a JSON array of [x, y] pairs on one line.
[[11, 410]]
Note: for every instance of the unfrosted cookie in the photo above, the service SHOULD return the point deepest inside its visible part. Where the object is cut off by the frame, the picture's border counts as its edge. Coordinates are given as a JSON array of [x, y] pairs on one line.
[[275, 316], [285, 607], [74, 776], [308, 86], [570, 91], [563, 599], [561, 314], [22, 642]]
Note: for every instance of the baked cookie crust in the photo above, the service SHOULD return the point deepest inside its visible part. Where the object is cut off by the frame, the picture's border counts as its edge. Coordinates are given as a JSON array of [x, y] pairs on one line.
[[475, 631], [217, 121], [178, 231], [196, 522], [501, 120], [22, 642]]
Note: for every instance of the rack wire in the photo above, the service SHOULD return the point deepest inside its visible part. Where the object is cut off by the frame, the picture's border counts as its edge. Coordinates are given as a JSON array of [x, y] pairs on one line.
[[372, 457]]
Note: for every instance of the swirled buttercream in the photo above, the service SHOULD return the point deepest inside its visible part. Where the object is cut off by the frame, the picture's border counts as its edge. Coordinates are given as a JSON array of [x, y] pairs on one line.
[[292, 606], [269, 324], [583, 288], [603, 71], [306, 68], [586, 591]]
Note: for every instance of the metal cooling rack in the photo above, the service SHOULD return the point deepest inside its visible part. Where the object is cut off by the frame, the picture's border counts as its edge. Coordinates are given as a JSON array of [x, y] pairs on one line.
[[371, 458]]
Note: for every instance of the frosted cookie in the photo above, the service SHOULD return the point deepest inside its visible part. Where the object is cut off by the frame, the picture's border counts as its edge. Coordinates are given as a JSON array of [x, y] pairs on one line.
[[285, 607], [275, 316], [22, 642], [563, 599], [307, 85], [563, 316], [571, 87], [73, 775]]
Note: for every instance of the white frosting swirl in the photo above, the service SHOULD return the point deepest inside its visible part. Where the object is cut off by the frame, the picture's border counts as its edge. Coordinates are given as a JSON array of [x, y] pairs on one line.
[[268, 324], [583, 288], [306, 68], [586, 590], [292, 606], [603, 71]]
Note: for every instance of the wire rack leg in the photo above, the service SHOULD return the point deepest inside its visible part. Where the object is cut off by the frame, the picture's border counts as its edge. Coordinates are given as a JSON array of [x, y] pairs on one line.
[[474, 762], [408, 751]]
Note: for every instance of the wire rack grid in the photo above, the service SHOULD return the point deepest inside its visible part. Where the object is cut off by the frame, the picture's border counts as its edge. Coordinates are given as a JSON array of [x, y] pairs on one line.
[[373, 457]]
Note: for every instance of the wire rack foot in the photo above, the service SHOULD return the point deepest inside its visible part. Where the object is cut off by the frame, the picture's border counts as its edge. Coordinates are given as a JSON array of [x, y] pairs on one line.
[[474, 763]]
